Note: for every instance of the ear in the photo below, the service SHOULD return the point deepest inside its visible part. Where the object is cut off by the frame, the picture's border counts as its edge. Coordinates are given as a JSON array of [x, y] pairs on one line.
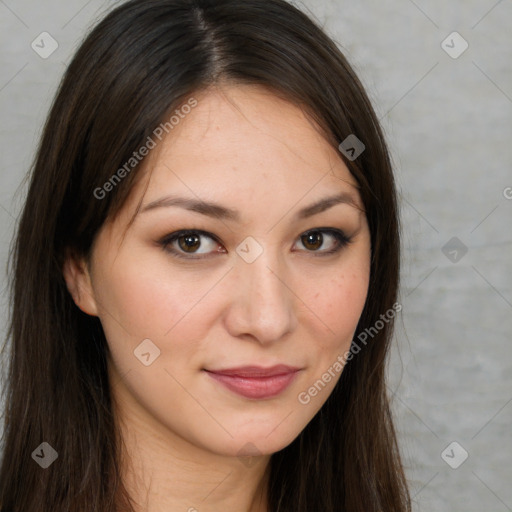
[[78, 280]]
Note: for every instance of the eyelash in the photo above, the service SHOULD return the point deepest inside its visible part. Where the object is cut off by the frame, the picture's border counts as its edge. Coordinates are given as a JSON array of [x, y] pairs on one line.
[[341, 239]]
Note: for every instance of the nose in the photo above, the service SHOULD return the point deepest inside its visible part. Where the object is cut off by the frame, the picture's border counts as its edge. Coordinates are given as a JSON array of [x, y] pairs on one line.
[[262, 304]]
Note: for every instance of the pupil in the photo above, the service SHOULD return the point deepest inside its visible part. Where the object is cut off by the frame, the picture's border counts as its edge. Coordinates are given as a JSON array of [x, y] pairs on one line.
[[312, 239], [191, 242]]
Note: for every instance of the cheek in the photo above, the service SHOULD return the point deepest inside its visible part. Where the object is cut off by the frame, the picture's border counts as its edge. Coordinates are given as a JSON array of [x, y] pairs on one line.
[[339, 306], [148, 299], [172, 309], [344, 290]]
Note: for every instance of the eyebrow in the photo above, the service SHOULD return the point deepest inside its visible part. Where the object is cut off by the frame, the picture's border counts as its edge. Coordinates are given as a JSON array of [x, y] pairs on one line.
[[217, 211]]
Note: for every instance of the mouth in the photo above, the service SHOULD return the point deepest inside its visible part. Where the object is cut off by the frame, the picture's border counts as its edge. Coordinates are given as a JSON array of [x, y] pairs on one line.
[[256, 382]]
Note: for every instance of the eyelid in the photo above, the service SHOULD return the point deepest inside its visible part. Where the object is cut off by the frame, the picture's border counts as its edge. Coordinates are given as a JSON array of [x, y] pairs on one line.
[[342, 240], [166, 243]]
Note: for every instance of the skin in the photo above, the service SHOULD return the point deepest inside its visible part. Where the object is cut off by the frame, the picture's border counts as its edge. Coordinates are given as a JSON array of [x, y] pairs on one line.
[[183, 432]]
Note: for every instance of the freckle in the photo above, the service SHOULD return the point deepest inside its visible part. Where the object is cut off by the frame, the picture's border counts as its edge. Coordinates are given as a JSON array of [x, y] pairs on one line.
[[317, 295]]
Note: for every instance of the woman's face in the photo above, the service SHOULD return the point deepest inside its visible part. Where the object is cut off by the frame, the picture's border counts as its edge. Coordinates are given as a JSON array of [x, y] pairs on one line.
[[215, 334]]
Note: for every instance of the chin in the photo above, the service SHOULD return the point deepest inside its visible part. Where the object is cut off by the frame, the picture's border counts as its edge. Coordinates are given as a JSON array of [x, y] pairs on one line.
[[254, 441]]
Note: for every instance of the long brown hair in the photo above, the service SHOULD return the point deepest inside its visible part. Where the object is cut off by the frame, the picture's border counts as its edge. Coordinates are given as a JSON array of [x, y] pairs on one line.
[[135, 67]]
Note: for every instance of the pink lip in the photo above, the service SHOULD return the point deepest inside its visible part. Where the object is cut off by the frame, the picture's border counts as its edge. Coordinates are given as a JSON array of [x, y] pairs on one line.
[[255, 381]]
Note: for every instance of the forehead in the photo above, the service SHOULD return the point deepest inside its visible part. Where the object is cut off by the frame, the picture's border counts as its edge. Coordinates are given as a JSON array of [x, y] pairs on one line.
[[241, 145]]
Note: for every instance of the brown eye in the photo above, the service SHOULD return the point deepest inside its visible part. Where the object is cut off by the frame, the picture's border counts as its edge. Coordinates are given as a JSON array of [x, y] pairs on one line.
[[312, 240], [189, 243], [325, 241]]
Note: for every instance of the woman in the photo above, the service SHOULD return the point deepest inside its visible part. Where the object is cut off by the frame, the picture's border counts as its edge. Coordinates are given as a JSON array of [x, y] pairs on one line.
[[205, 275]]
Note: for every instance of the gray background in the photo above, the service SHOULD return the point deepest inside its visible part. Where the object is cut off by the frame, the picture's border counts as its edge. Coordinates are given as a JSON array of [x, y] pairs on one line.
[[448, 123]]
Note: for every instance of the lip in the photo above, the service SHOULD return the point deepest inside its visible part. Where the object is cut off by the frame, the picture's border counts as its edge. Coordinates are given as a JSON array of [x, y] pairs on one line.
[[256, 382]]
